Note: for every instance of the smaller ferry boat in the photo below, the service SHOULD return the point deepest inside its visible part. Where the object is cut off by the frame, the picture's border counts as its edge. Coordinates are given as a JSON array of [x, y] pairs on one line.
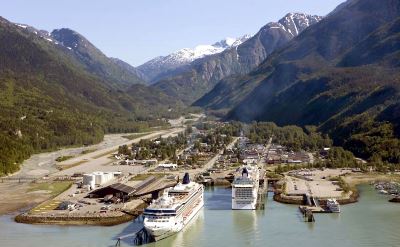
[[333, 206], [171, 212]]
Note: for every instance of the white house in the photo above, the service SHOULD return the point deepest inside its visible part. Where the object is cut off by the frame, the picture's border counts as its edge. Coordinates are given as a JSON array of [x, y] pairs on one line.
[[168, 165]]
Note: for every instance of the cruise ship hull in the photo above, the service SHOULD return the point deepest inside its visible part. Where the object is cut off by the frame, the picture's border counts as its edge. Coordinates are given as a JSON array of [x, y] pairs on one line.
[[166, 230], [161, 233], [249, 206]]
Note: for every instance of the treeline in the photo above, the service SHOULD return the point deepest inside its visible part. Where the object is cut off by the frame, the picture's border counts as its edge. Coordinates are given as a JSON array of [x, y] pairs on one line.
[[339, 158], [230, 129], [160, 148], [369, 139], [25, 131], [49, 100], [218, 136], [293, 137], [23, 134]]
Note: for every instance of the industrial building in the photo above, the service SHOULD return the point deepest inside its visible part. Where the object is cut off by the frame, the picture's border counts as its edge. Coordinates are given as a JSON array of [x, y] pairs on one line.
[[94, 179], [118, 190]]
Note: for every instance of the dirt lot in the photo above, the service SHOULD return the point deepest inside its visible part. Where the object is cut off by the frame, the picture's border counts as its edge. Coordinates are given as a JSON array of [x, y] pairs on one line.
[[362, 178], [17, 196], [320, 186]]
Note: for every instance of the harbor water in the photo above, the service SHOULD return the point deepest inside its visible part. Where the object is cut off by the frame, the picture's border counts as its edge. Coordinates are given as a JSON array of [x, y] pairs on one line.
[[373, 221]]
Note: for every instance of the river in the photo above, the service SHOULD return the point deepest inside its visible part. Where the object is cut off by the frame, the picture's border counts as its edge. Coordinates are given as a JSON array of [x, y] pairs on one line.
[[373, 221]]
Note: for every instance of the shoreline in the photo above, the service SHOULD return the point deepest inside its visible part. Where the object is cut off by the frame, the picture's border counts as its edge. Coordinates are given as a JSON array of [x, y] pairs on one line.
[[16, 196], [75, 221], [299, 201], [25, 218], [352, 180]]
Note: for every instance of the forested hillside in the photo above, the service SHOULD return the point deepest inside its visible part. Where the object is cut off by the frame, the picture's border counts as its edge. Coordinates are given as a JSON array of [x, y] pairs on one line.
[[48, 99], [114, 71], [341, 74]]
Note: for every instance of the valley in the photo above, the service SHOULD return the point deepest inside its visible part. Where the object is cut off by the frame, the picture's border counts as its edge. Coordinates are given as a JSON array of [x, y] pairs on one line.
[[44, 166], [107, 118]]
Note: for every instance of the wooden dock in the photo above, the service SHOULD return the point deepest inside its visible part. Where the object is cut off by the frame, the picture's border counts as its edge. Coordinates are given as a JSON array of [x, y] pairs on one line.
[[262, 194], [307, 214]]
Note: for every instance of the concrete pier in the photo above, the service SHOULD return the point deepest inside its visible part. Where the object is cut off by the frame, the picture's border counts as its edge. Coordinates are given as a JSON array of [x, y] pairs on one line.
[[262, 194]]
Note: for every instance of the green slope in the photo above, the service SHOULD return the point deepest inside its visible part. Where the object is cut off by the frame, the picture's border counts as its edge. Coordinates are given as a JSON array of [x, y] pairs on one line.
[[340, 74], [48, 99]]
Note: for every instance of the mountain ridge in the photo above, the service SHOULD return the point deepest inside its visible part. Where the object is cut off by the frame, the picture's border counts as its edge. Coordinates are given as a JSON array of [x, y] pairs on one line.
[[191, 82], [93, 60], [49, 99], [340, 74], [157, 67]]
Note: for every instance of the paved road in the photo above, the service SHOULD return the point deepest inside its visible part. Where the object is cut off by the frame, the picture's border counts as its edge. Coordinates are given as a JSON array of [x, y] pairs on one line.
[[212, 161], [97, 162], [208, 165], [41, 164]]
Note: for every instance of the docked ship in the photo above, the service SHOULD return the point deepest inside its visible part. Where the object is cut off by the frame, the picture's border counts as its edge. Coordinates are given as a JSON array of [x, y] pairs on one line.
[[171, 212], [245, 188], [333, 205]]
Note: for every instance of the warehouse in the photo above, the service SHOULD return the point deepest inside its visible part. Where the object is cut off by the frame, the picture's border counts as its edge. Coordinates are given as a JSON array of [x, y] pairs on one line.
[[118, 190]]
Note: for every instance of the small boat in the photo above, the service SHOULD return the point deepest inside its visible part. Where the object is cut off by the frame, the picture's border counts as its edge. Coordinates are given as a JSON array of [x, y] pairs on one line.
[[333, 206]]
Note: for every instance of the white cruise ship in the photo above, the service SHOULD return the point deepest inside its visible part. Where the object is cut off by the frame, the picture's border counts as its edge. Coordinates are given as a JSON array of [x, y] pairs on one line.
[[245, 188], [171, 212]]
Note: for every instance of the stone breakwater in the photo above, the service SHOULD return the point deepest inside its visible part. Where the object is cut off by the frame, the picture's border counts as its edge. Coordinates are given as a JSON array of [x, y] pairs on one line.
[[395, 199], [94, 219], [59, 220], [298, 200]]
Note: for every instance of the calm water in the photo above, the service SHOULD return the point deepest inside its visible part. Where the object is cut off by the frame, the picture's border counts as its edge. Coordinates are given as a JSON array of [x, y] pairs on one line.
[[371, 222]]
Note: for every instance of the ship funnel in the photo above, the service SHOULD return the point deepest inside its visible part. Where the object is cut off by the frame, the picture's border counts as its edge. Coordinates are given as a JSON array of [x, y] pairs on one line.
[[186, 179], [244, 171]]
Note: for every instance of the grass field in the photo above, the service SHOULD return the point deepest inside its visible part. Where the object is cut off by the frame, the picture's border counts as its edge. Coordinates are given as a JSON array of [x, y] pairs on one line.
[[61, 168], [55, 188]]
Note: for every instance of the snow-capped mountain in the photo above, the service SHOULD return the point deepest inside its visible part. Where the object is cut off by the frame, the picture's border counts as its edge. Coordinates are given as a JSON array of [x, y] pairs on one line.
[[162, 64], [295, 23], [199, 77], [41, 33]]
